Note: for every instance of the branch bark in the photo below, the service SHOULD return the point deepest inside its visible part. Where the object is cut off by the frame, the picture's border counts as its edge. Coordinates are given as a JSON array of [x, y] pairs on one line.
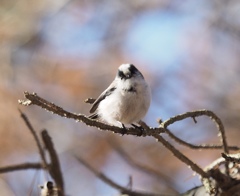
[[195, 114], [34, 99], [19, 167], [54, 169]]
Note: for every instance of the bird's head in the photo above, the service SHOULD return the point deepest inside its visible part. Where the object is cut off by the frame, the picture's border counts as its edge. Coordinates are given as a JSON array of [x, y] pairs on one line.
[[128, 71]]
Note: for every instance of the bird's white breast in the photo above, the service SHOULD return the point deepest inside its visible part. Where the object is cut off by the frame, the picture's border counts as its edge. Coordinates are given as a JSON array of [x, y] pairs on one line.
[[126, 106]]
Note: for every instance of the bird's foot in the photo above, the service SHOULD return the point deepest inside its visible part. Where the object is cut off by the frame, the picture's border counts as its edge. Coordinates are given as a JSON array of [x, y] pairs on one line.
[[124, 129], [139, 128]]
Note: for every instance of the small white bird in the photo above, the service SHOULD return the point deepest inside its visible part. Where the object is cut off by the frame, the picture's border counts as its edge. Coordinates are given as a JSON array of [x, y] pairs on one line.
[[125, 101]]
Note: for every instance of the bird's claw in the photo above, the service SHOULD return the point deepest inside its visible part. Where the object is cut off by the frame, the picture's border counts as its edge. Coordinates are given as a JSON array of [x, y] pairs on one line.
[[139, 128], [124, 130]]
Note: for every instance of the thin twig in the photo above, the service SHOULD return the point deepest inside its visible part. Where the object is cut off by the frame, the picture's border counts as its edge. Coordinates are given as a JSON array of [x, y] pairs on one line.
[[235, 158], [212, 116], [201, 146], [113, 184], [215, 164], [54, 169], [22, 166], [194, 114], [89, 100], [30, 127]]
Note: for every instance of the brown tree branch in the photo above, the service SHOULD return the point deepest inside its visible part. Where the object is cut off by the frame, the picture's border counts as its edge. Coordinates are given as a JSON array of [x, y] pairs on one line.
[[215, 164], [235, 158], [201, 146], [22, 166], [54, 167], [30, 127], [36, 100], [148, 131], [182, 157], [195, 114], [89, 100]]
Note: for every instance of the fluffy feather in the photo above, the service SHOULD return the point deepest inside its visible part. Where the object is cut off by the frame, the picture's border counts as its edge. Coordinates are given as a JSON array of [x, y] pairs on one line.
[[126, 100]]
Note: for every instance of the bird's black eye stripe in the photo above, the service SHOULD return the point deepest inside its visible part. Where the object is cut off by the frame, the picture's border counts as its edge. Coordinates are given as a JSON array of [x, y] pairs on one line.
[[132, 70], [121, 74]]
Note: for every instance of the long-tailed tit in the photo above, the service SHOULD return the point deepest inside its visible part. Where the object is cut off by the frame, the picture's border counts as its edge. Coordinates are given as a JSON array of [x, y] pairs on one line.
[[125, 101]]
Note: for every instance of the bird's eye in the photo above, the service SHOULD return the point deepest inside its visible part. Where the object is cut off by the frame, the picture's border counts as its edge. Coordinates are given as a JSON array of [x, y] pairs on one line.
[[128, 75]]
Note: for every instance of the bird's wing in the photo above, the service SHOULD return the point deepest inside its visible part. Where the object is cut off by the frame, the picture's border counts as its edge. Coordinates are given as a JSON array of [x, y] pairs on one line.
[[104, 94]]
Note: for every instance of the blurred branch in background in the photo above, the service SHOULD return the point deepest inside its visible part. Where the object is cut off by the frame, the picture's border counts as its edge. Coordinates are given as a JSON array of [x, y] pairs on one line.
[[33, 132], [53, 167], [108, 181], [22, 166], [160, 177]]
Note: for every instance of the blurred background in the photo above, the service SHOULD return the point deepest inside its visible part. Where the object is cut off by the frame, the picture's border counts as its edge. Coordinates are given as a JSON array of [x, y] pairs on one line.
[[69, 50]]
